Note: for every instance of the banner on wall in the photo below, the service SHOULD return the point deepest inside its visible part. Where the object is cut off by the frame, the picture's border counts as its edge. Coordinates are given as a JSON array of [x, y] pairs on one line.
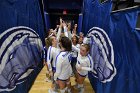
[[115, 47], [20, 53], [22, 39], [80, 20]]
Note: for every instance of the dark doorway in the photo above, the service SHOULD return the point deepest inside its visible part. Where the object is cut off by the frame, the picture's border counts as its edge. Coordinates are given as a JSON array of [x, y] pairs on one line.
[[56, 9], [70, 16]]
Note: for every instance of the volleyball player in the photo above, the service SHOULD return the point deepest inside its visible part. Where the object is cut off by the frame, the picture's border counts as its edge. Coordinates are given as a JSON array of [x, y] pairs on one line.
[[83, 65], [63, 66]]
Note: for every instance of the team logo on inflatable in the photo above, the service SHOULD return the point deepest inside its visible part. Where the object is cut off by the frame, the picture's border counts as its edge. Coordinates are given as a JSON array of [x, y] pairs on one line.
[[103, 54], [20, 53]]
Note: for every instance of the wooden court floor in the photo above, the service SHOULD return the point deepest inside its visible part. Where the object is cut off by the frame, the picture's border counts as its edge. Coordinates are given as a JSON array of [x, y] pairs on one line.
[[41, 86]]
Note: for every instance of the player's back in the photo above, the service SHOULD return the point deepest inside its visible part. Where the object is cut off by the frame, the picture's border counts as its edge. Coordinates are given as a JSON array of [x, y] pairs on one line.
[[64, 59]]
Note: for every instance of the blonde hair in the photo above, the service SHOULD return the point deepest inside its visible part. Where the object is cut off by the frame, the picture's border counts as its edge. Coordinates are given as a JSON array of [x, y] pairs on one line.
[[87, 46], [48, 42]]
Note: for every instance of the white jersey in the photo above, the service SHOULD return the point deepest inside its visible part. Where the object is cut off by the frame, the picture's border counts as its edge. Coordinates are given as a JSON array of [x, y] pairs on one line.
[[85, 62], [63, 66], [51, 57], [86, 40], [78, 45], [74, 53], [53, 52]]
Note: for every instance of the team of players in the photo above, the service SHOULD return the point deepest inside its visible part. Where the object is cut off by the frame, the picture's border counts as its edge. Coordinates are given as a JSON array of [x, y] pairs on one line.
[[65, 55]]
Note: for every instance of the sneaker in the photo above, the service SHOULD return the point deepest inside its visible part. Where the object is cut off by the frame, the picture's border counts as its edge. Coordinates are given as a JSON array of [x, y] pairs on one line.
[[47, 80]]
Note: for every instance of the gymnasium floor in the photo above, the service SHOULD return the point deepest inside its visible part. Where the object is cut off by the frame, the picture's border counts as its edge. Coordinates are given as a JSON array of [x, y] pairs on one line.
[[40, 86]]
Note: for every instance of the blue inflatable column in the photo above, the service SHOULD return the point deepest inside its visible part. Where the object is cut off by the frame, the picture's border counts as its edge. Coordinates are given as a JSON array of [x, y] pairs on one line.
[[47, 20], [80, 20]]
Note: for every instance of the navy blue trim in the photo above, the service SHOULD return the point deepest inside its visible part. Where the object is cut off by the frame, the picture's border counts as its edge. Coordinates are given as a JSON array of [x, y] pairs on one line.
[[74, 59], [78, 62], [56, 58], [54, 69], [62, 79], [50, 52], [82, 75], [45, 53], [66, 53]]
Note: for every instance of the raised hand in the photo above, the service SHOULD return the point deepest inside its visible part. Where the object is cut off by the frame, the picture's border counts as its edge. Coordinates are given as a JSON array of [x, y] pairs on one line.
[[61, 22]]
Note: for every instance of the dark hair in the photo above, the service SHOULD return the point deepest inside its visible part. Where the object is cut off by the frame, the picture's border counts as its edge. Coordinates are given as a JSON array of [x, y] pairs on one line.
[[77, 39], [66, 43]]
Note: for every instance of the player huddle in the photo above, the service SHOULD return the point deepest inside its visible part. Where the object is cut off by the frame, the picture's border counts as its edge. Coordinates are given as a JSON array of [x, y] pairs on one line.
[[65, 55]]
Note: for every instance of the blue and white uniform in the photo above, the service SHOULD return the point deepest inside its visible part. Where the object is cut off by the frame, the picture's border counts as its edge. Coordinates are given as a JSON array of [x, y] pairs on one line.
[[85, 62], [74, 60], [75, 53], [52, 53], [51, 57], [45, 53], [63, 66]]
